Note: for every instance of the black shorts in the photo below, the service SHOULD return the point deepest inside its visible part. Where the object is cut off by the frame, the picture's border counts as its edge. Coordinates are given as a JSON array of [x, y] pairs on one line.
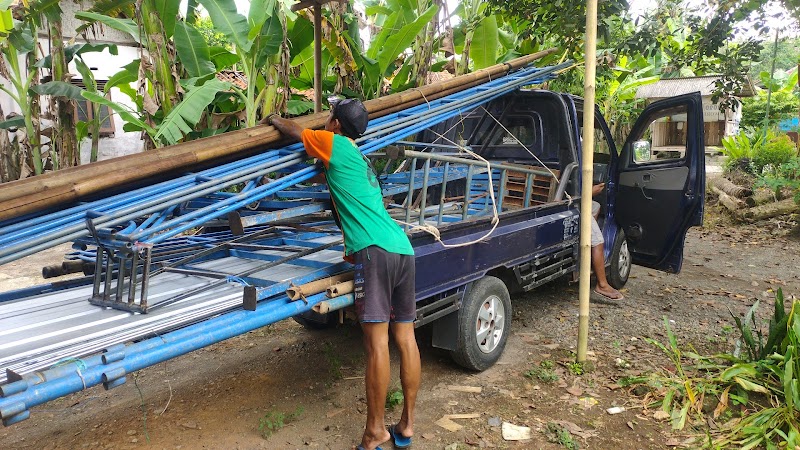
[[384, 286]]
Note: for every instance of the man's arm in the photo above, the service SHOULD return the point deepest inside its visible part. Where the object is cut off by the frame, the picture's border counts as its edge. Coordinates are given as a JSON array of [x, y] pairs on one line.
[[597, 189], [285, 126]]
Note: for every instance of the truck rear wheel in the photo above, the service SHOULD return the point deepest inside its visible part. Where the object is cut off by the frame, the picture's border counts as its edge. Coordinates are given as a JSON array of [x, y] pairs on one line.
[[620, 267], [315, 321], [483, 324]]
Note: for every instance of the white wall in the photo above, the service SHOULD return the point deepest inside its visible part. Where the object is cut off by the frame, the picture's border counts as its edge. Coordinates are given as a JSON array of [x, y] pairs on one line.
[[103, 65]]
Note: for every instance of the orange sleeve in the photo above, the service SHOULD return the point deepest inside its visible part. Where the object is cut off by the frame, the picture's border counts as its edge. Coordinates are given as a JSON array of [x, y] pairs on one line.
[[318, 144]]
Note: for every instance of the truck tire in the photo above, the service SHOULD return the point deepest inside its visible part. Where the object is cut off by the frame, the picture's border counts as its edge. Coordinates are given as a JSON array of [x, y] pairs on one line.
[[311, 320], [483, 324], [620, 267]]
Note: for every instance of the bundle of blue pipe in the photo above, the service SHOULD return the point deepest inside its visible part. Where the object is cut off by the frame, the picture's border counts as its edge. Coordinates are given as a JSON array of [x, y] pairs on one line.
[[155, 204]]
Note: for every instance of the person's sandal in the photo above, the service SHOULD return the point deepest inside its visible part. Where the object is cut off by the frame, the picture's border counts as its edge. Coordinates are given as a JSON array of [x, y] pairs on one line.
[[399, 440]]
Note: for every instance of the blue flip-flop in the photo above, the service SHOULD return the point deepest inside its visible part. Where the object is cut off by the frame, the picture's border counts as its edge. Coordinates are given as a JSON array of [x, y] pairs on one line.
[[361, 447], [399, 440]]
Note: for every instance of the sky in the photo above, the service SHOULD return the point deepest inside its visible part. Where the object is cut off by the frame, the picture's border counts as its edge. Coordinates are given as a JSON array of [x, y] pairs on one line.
[[637, 8]]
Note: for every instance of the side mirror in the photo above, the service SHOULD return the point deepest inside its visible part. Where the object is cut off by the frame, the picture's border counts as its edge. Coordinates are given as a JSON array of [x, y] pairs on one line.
[[642, 151]]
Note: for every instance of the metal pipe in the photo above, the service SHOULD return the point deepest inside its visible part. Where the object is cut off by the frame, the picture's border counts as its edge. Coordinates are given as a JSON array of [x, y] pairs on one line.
[[236, 323], [333, 304]]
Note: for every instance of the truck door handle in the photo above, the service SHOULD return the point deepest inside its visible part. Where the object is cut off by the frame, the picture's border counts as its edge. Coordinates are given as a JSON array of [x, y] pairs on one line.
[[646, 178], [641, 187]]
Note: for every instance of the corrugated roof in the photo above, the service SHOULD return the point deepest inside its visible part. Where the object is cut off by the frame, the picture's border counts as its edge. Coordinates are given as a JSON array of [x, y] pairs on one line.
[[233, 76], [672, 87]]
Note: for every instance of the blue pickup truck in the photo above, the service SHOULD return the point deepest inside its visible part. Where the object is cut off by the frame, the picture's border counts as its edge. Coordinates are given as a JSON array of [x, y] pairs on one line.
[[485, 181], [532, 138]]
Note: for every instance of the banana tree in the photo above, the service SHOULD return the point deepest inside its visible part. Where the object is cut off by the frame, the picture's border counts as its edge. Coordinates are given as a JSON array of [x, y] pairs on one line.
[[18, 41], [399, 26], [259, 41]]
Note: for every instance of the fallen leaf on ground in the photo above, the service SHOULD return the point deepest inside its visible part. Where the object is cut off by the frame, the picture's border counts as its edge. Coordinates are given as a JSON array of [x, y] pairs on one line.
[[575, 390], [576, 430], [661, 415]]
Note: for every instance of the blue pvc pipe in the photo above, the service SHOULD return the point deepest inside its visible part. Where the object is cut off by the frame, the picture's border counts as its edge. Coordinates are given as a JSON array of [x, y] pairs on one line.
[[208, 332]]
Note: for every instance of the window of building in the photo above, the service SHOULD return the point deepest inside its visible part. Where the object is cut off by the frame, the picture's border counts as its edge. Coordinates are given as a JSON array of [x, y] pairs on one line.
[[84, 110]]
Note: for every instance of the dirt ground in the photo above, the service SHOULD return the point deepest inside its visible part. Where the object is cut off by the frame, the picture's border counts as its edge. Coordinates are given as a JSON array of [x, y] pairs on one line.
[[308, 386]]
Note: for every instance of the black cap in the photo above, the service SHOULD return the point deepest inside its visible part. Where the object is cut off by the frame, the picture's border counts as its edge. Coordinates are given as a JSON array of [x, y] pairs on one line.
[[352, 116]]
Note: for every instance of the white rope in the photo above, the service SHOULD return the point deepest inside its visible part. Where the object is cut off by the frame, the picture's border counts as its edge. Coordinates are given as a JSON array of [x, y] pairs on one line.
[[432, 230]]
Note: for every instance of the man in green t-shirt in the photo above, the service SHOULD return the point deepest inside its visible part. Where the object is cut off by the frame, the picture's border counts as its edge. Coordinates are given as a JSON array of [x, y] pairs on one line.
[[383, 263]]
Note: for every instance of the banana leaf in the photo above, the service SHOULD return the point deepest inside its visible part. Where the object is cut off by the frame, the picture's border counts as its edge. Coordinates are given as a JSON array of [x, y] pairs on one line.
[[59, 89], [188, 112], [234, 25], [485, 41], [192, 50], [124, 25]]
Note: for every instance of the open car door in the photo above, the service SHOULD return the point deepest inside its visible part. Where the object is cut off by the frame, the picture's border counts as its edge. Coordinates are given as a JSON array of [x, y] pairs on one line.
[[661, 181]]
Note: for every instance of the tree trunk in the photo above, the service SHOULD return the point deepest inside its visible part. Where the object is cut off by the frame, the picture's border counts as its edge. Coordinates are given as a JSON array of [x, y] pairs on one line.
[[728, 187], [787, 206], [423, 46], [733, 204], [161, 57], [63, 142], [34, 129], [760, 197], [9, 156]]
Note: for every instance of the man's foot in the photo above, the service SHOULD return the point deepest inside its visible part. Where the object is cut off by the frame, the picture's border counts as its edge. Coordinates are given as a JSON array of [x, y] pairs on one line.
[[608, 292], [370, 441], [400, 438]]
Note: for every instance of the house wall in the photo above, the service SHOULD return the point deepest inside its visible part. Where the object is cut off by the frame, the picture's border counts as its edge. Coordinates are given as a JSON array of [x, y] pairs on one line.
[[717, 125], [103, 65]]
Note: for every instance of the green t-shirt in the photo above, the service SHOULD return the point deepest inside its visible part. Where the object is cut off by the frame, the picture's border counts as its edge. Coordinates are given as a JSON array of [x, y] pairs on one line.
[[356, 194]]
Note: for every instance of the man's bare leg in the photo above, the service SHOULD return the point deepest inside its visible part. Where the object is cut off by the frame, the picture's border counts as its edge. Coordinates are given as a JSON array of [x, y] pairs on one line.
[[376, 344], [410, 369], [599, 266]]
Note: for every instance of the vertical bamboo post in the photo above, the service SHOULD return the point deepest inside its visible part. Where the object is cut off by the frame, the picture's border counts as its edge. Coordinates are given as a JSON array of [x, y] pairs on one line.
[[317, 57], [587, 156], [771, 78]]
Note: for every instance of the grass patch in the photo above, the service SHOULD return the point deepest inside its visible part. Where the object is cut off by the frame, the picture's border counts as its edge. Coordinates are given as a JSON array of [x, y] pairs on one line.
[[334, 363], [544, 372], [275, 420], [394, 397], [557, 434], [751, 393]]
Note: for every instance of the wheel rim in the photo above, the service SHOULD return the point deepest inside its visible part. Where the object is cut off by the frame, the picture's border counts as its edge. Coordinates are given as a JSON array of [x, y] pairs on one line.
[[624, 262], [490, 324]]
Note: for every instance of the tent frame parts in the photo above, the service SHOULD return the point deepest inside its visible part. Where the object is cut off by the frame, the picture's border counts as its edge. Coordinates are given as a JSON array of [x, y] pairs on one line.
[[195, 297]]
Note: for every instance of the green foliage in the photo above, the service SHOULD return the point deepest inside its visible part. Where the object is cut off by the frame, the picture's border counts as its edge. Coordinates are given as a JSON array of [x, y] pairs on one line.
[[775, 151], [193, 51], [187, 113], [576, 368], [544, 372], [783, 105], [760, 375], [786, 57], [785, 176], [394, 398], [559, 435], [740, 150], [275, 420]]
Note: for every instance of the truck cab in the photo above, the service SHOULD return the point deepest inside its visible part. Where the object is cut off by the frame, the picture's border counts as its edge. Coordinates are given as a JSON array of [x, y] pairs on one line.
[[647, 207]]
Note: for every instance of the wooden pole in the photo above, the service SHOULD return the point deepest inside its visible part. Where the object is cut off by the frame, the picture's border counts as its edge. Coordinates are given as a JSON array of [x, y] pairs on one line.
[[587, 159], [317, 58], [112, 175]]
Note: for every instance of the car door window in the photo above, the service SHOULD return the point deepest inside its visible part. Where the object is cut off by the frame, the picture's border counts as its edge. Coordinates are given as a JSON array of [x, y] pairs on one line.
[[663, 141]]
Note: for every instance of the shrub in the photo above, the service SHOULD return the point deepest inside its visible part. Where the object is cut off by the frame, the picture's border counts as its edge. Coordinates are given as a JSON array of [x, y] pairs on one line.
[[775, 151]]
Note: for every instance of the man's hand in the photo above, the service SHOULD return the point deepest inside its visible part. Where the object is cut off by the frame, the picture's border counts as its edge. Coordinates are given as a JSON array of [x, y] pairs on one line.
[[287, 127], [597, 189]]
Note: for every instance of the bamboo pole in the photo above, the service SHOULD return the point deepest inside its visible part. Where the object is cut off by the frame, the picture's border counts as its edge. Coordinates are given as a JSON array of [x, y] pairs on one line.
[[587, 157], [56, 188], [317, 286]]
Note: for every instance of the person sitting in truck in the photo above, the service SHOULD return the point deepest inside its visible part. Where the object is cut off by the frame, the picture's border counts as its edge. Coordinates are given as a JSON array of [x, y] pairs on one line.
[[602, 288], [383, 261]]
